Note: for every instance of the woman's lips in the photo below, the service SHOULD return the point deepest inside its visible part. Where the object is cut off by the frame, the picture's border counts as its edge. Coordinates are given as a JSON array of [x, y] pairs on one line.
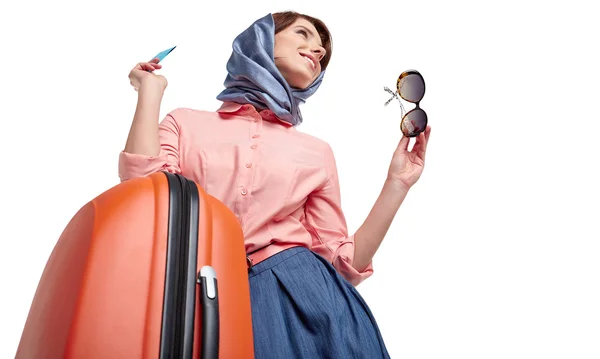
[[311, 60]]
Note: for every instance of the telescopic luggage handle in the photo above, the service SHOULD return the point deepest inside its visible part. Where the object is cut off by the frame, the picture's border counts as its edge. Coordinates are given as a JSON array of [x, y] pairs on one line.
[[209, 299]]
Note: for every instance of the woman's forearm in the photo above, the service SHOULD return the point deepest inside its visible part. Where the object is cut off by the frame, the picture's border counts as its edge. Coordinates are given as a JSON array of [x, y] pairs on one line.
[[370, 235], [143, 136]]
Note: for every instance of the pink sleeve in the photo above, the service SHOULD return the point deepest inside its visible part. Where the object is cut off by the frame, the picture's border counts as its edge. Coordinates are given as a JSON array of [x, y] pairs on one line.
[[327, 224], [133, 165]]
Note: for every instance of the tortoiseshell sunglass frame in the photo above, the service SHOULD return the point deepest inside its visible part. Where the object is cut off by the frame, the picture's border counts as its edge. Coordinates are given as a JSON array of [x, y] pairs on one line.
[[405, 125]]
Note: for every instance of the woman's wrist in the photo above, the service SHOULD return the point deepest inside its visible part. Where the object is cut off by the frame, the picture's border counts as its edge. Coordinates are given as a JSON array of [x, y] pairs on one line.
[[396, 185]]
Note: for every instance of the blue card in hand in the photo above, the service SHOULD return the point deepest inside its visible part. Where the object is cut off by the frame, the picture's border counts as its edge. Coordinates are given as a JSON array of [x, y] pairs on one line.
[[161, 55]]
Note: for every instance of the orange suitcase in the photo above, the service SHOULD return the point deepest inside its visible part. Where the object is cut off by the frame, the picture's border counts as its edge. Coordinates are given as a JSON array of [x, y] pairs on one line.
[[152, 268]]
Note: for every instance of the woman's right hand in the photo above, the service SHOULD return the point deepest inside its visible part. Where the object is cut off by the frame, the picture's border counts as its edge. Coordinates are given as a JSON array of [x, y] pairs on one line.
[[143, 72]]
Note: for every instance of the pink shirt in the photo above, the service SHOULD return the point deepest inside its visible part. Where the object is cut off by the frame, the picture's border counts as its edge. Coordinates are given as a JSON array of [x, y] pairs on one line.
[[280, 183]]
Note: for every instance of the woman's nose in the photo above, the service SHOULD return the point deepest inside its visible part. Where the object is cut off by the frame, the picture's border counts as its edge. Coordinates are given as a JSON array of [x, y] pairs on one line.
[[319, 53]]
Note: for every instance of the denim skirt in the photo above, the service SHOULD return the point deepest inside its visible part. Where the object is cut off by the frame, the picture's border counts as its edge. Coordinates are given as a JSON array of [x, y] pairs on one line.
[[303, 308]]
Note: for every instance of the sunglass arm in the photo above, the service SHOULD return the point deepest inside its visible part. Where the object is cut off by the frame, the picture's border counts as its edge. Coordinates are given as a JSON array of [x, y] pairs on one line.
[[394, 95]]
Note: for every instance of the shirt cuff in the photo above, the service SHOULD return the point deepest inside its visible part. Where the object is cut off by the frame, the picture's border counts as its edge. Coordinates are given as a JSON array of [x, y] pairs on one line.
[[343, 263], [132, 165]]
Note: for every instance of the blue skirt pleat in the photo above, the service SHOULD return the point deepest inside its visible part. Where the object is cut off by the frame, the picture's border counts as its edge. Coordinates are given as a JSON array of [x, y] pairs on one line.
[[303, 308]]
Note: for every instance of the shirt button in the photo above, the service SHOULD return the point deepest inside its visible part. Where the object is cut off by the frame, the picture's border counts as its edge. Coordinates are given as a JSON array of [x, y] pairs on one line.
[[253, 146], [243, 192], [248, 165]]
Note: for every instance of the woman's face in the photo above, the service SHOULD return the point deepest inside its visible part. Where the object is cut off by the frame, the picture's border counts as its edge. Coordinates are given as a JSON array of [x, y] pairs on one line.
[[298, 52]]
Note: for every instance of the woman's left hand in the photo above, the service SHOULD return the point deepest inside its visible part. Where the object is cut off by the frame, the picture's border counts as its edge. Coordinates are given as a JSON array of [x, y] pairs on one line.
[[406, 167]]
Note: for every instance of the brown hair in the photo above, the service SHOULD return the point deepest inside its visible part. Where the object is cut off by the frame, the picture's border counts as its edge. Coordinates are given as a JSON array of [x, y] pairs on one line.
[[286, 18]]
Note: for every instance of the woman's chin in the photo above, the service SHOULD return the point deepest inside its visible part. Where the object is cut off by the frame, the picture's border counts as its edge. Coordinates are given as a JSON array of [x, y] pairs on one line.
[[301, 82]]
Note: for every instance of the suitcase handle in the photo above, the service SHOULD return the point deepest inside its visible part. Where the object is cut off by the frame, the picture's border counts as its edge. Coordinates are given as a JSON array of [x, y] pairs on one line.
[[209, 299]]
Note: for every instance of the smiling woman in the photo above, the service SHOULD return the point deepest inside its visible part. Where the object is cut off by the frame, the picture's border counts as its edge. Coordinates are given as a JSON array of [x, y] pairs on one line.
[[282, 186], [302, 47]]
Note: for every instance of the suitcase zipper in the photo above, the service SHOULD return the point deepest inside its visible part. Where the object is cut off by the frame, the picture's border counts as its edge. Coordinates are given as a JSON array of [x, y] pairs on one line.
[[177, 333]]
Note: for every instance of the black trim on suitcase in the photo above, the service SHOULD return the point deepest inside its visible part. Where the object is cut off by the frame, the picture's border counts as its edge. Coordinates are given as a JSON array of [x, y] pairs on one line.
[[177, 332]]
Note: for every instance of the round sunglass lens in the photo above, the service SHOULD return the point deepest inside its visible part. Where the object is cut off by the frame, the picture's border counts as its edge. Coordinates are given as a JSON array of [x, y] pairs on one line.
[[411, 87], [414, 122]]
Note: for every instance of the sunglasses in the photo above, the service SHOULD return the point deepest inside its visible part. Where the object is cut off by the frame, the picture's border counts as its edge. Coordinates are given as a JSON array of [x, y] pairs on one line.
[[411, 87]]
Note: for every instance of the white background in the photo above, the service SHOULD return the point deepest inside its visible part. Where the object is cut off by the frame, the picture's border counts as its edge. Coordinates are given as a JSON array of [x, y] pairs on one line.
[[495, 251]]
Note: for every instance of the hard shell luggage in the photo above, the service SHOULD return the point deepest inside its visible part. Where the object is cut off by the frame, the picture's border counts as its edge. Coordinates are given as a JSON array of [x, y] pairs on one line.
[[152, 268]]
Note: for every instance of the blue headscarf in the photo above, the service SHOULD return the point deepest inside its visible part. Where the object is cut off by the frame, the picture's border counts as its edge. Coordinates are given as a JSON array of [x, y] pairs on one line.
[[253, 77]]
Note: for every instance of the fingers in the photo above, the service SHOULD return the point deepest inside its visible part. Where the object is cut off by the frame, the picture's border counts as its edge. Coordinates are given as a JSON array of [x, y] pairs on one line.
[[148, 66], [420, 147], [427, 132], [137, 73], [403, 144]]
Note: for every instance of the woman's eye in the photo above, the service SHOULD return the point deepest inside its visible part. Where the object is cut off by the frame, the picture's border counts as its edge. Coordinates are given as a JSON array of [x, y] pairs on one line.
[[303, 32]]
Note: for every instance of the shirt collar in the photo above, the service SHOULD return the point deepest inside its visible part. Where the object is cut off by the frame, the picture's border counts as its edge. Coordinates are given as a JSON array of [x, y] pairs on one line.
[[248, 110]]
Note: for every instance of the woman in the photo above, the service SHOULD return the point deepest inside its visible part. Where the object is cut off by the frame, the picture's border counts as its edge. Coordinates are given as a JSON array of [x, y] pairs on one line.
[[281, 184]]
